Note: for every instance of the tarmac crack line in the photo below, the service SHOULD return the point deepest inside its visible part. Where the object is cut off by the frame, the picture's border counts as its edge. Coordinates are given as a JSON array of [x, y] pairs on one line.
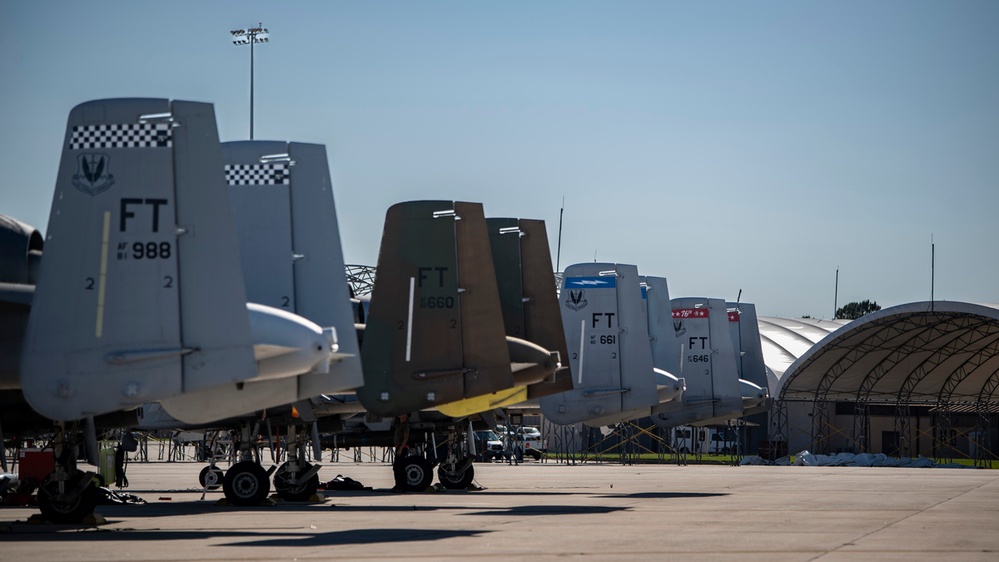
[[913, 513]]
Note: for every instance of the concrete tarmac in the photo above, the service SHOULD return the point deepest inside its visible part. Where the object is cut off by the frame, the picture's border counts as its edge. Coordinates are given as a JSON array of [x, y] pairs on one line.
[[548, 511]]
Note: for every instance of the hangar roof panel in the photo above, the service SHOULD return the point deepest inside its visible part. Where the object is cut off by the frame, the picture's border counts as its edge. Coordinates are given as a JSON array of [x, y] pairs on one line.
[[922, 352]]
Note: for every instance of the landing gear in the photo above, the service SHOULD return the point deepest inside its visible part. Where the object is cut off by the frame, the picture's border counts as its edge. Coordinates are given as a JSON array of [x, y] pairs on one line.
[[455, 480], [296, 480], [417, 472], [67, 497], [211, 477], [246, 484], [296, 485], [68, 494], [455, 471]]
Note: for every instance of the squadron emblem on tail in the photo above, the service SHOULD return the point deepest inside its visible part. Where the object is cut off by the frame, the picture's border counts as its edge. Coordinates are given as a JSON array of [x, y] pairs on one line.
[[92, 175], [576, 300]]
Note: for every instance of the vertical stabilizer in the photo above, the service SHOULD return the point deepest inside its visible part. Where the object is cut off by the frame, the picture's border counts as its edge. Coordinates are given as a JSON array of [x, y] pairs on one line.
[[708, 365], [434, 331], [608, 340], [665, 347], [745, 329], [543, 318], [139, 295], [289, 244], [282, 192], [528, 294]]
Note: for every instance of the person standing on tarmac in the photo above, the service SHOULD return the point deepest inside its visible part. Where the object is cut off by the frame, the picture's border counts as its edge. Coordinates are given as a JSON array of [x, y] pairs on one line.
[[400, 440]]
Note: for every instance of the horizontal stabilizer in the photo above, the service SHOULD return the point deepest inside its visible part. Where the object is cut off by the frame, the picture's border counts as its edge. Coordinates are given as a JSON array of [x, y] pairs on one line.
[[485, 403]]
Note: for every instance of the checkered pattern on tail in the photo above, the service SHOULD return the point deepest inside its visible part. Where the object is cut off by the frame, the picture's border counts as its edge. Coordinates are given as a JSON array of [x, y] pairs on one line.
[[257, 174], [121, 135]]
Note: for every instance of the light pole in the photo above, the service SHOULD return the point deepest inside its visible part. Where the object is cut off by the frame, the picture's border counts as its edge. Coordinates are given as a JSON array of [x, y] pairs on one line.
[[249, 37]]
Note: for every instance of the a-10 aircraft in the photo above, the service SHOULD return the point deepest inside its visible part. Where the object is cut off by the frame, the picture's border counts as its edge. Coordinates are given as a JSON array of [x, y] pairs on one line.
[[440, 340], [444, 335], [289, 247], [637, 353], [262, 182], [169, 278], [141, 256], [610, 349], [522, 363]]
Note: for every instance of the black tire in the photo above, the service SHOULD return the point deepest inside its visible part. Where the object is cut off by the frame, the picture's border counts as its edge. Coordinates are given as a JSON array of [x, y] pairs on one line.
[[68, 508], [456, 481], [300, 491], [211, 477], [246, 484], [536, 455], [417, 472]]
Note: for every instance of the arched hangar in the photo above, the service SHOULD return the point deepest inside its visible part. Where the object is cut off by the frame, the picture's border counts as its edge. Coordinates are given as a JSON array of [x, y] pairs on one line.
[[915, 379]]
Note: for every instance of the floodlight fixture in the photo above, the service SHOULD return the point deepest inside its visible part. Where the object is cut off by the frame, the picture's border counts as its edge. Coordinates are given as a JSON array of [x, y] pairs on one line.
[[250, 36]]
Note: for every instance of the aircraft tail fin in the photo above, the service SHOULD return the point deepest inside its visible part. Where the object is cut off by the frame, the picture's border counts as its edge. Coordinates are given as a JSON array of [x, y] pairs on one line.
[[140, 253], [528, 294], [745, 329], [289, 238], [608, 340], [292, 261], [708, 365], [434, 331]]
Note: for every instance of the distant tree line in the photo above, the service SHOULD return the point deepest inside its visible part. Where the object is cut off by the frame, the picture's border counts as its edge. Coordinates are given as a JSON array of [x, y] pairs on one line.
[[854, 310]]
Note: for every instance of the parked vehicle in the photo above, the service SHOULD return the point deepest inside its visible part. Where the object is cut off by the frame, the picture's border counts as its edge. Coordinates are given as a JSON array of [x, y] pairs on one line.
[[524, 441], [488, 446], [704, 440]]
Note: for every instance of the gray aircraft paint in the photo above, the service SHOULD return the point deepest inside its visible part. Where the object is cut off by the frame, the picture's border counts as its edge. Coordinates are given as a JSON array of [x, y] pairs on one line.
[[320, 287], [708, 365], [607, 336], [290, 250], [140, 223], [662, 336], [745, 330]]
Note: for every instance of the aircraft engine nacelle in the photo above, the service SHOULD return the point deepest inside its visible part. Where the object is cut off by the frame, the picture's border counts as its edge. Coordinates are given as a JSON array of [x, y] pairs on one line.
[[287, 345], [20, 253]]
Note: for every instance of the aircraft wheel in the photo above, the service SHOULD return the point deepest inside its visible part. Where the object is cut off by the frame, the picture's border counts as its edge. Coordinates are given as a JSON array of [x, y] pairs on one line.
[[299, 491], [246, 484], [211, 477], [456, 481], [70, 507], [418, 473]]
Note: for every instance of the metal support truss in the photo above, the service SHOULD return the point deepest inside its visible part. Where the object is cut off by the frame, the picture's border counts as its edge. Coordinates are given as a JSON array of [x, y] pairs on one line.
[[862, 427], [361, 279]]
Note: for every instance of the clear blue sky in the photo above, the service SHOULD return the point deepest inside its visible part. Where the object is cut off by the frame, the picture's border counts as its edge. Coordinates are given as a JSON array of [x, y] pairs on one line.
[[724, 145]]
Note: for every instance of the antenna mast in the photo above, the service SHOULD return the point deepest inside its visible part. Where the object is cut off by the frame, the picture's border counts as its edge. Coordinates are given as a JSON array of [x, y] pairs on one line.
[[836, 294], [933, 271], [558, 251]]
